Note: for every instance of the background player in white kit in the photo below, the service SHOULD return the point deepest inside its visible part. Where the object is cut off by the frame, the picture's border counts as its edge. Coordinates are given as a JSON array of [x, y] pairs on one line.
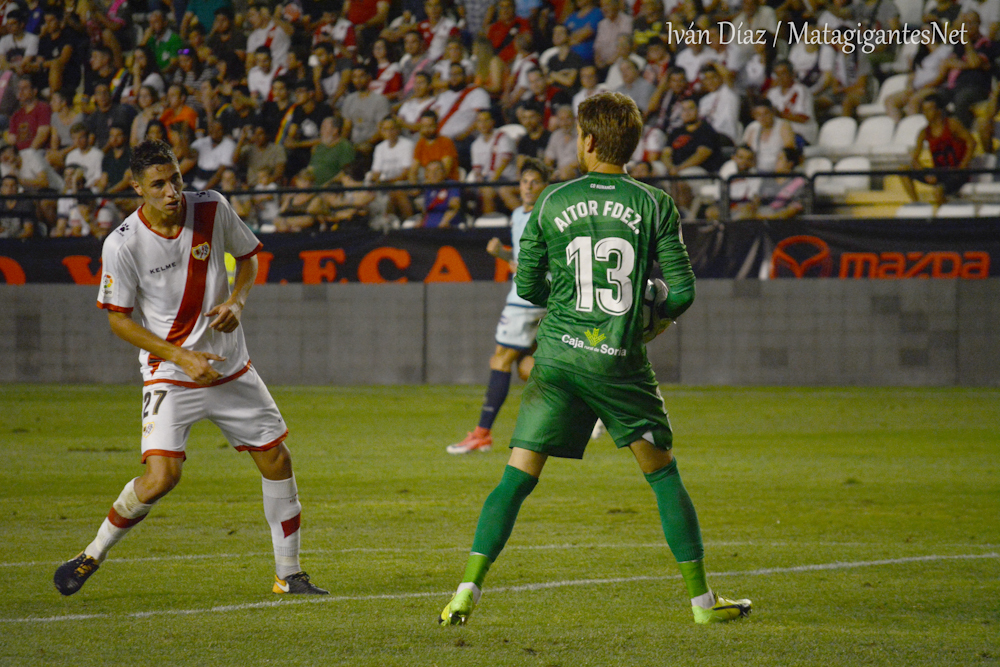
[[518, 323], [168, 258]]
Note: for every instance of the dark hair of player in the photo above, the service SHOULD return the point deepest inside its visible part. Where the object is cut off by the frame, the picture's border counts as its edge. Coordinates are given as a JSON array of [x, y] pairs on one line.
[[614, 120], [537, 166], [149, 154]]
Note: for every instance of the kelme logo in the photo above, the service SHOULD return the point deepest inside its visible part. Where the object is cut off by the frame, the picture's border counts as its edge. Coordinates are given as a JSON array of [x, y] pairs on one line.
[[594, 337], [201, 251]]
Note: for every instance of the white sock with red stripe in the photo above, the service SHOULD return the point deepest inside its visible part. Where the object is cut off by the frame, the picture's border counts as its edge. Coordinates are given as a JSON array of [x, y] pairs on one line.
[[282, 510], [125, 513]]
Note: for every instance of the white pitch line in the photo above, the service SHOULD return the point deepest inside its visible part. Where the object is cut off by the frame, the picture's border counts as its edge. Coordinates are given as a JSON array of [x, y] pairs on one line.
[[520, 547], [503, 589]]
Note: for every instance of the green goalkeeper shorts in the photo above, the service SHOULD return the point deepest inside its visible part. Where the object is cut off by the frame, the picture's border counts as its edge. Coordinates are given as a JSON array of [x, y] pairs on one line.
[[559, 409]]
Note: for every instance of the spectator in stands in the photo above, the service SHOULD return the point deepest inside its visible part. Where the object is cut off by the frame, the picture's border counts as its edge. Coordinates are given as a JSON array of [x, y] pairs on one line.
[[85, 154], [387, 80], [31, 124], [17, 41], [561, 155], [60, 53], [437, 29], [115, 173], [780, 197], [454, 52], [665, 109], [106, 115], [649, 23], [988, 12], [969, 76], [755, 76], [560, 64], [215, 153], [929, 72], [493, 155], [141, 72], [693, 148], [333, 152], [256, 150], [391, 163], [536, 136], [190, 72], [302, 132], [177, 110], [63, 118], [442, 206], [651, 144], [720, 106], [812, 61], [269, 29], [163, 41], [582, 25], [742, 191], [224, 39], [502, 32], [369, 18], [633, 85], [588, 86], [420, 101], [849, 85], [242, 204], [431, 147], [150, 109], [768, 135], [180, 137], [414, 61], [457, 108], [298, 211], [261, 76], [491, 73], [513, 85], [950, 146], [792, 101], [693, 59], [941, 11], [156, 131], [17, 216], [614, 24], [363, 110]]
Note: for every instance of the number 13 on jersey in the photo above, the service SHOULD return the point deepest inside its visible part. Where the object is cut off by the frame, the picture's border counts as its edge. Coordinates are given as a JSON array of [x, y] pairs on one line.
[[582, 252]]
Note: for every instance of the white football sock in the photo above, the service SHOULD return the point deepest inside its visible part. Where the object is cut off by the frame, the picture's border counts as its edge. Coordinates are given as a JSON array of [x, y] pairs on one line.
[[125, 512], [705, 600], [282, 510]]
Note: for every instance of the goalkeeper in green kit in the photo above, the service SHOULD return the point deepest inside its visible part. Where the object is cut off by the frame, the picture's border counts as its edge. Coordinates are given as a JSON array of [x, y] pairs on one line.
[[598, 236]]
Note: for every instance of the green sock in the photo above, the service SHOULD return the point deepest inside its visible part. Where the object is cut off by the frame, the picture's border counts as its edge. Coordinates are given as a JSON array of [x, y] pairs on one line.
[[680, 525], [694, 577], [496, 521]]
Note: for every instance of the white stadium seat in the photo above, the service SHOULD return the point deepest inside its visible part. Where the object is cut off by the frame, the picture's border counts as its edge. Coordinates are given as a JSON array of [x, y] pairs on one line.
[[915, 210], [890, 86], [492, 220], [855, 163], [956, 210], [988, 211], [874, 133], [836, 135]]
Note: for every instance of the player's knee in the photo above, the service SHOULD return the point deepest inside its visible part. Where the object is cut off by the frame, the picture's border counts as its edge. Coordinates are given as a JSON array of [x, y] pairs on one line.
[[524, 367]]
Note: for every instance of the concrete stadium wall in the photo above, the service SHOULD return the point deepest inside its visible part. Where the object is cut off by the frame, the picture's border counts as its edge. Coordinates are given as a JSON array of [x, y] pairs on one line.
[[782, 332]]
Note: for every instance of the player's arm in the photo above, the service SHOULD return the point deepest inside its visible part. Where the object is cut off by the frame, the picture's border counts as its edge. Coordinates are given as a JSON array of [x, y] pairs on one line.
[[496, 248], [227, 314], [533, 263], [195, 364], [675, 264]]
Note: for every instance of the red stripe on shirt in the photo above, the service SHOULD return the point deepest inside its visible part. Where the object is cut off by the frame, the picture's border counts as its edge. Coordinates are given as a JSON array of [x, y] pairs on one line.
[[194, 287]]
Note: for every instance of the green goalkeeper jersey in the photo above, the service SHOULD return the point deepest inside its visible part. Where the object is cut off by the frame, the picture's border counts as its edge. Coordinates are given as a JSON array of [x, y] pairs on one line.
[[599, 237]]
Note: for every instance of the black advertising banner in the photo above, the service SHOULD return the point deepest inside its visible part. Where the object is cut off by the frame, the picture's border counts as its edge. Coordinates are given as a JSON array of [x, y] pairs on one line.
[[852, 249], [883, 249]]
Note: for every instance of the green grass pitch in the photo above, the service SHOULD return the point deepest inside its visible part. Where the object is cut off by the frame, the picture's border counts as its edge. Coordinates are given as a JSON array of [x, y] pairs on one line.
[[863, 523]]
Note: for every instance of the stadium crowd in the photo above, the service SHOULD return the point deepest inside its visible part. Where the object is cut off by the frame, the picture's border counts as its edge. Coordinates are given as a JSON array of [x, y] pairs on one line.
[[260, 97]]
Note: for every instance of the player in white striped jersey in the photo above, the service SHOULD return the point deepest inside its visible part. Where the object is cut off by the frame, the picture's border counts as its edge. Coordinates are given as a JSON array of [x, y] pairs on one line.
[[518, 323], [168, 259]]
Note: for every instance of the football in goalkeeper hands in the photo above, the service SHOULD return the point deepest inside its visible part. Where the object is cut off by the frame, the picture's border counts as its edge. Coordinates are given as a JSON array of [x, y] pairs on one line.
[[653, 297]]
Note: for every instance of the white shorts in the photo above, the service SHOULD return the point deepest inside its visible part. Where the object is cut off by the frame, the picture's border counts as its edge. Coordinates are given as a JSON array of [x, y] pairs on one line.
[[241, 407], [518, 327]]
